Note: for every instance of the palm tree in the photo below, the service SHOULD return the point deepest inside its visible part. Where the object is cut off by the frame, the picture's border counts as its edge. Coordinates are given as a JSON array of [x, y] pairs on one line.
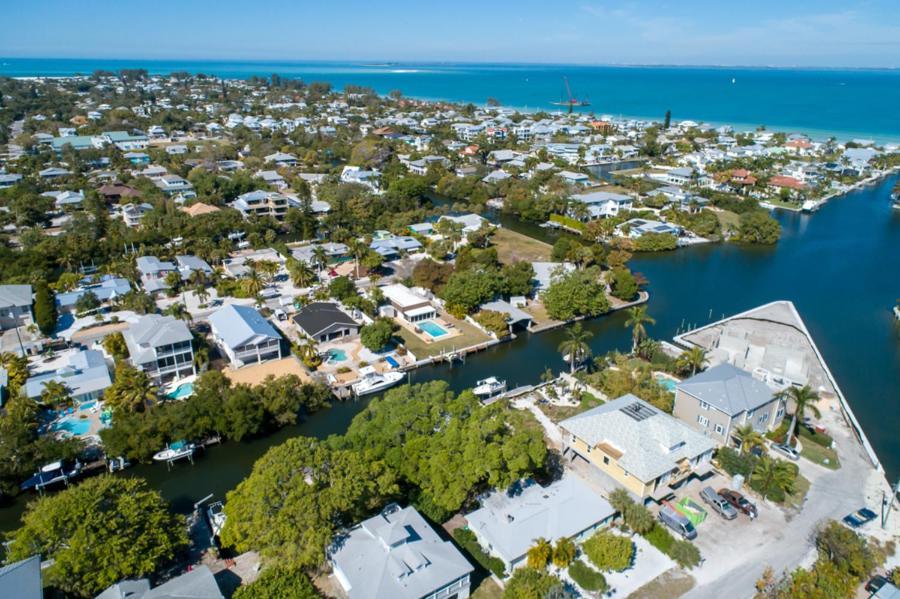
[[804, 399], [253, 283], [56, 394], [749, 438], [564, 552], [770, 475], [575, 345], [691, 360], [179, 311], [637, 318], [539, 554], [173, 281], [301, 274], [131, 392], [320, 258]]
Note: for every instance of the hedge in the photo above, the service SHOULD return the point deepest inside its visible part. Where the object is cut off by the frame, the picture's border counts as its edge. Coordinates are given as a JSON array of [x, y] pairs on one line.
[[586, 577], [466, 539], [567, 221], [609, 551], [660, 538]]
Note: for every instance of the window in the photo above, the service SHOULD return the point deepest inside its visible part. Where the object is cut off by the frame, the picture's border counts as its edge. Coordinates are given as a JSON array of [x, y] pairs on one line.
[[780, 412], [720, 429], [704, 405], [703, 420], [606, 460]]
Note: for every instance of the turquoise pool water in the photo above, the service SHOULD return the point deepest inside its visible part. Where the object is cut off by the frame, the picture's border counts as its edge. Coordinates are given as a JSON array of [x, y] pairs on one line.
[[76, 426], [182, 391], [666, 382], [432, 328], [87, 406], [336, 355]]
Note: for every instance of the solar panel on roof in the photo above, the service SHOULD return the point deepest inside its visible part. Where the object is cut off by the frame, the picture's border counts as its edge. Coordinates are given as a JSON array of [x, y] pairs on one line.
[[638, 411]]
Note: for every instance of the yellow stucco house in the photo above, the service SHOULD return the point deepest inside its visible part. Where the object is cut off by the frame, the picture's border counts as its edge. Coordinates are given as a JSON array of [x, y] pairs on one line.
[[641, 448]]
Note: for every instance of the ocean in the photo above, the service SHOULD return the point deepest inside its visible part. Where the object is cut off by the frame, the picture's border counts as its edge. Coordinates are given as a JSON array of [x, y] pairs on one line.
[[846, 104]]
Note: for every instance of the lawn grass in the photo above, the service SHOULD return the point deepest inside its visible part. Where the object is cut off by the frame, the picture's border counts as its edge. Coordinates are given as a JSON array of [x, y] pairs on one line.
[[821, 455], [470, 336], [728, 219], [672, 583], [560, 413], [801, 488], [512, 246], [488, 589]]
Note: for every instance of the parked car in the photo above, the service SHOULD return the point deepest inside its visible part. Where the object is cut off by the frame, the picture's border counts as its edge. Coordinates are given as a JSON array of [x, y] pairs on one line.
[[739, 502], [786, 450], [718, 503], [677, 522], [875, 584], [859, 517]]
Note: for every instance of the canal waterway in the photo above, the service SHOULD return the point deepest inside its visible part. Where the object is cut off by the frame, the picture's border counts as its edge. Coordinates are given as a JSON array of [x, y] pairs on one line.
[[840, 266]]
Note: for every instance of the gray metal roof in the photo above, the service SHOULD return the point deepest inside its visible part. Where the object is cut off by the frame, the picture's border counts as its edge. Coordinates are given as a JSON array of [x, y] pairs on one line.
[[728, 389], [396, 554], [22, 580], [15, 296], [85, 373], [510, 524], [199, 583], [240, 325], [318, 316], [651, 444], [152, 331]]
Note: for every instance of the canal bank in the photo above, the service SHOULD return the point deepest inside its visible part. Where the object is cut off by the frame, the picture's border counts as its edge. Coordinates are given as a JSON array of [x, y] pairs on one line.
[[838, 266]]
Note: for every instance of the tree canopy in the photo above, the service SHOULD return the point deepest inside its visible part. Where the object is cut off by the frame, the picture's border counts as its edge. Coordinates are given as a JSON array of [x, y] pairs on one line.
[[99, 532]]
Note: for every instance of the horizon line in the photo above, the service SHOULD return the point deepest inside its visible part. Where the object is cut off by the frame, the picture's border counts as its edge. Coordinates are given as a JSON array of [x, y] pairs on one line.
[[390, 62]]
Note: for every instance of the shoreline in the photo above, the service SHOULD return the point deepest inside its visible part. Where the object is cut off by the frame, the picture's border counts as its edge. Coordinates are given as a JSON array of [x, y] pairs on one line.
[[816, 204]]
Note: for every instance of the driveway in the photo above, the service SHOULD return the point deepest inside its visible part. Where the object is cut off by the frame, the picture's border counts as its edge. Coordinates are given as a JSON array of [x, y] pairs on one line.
[[736, 553]]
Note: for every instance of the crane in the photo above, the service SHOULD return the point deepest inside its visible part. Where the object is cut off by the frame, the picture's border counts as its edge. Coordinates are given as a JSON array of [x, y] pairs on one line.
[[570, 100]]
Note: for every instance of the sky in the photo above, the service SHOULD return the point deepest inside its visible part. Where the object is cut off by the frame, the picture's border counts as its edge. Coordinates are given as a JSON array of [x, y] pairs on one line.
[[807, 33]]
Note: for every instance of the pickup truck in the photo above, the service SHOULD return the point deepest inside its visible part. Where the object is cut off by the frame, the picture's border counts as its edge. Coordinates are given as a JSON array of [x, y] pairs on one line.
[[718, 503], [738, 502]]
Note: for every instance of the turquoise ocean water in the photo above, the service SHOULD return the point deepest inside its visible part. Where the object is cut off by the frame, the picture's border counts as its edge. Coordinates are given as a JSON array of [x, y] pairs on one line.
[[844, 103]]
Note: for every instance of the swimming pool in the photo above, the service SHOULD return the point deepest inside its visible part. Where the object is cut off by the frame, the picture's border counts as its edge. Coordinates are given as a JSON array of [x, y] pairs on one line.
[[76, 426], [666, 382], [87, 406], [433, 329], [336, 355], [183, 390]]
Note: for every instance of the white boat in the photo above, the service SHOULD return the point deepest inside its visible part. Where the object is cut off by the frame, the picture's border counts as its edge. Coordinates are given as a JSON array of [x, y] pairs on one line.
[[175, 451], [489, 387], [216, 515], [373, 382]]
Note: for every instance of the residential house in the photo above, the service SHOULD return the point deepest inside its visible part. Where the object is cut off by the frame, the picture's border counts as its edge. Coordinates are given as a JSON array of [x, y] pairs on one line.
[[282, 159], [354, 174], [153, 273], [395, 246], [722, 399], [85, 375], [106, 290], [199, 209], [9, 179], [573, 178], [334, 252], [197, 583], [65, 199], [189, 264], [173, 184], [262, 203], [640, 447], [238, 265], [22, 579], [407, 304], [470, 222], [116, 191], [508, 523], [15, 306], [133, 213], [546, 272], [53, 172], [636, 227], [244, 335], [161, 346], [397, 554], [598, 204], [323, 321]]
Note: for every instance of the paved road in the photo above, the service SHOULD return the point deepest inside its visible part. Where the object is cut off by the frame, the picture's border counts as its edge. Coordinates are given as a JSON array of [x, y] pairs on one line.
[[739, 560]]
